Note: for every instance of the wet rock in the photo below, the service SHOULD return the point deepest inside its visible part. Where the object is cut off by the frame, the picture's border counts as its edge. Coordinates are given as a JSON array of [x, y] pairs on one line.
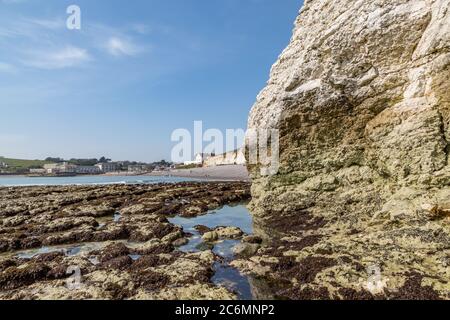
[[304, 271], [13, 221], [180, 242], [252, 239], [118, 263], [151, 230], [69, 216], [414, 289], [58, 272], [134, 209], [90, 211], [229, 232], [205, 246], [110, 233], [150, 280], [307, 293], [192, 292], [202, 229], [438, 212], [114, 250], [193, 211], [246, 249], [30, 243], [157, 248], [49, 257], [173, 236], [5, 264], [15, 277], [211, 236], [146, 262]]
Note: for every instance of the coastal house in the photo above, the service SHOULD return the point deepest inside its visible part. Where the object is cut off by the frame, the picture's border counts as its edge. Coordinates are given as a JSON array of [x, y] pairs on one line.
[[67, 168], [161, 168], [38, 171], [3, 165], [108, 167], [87, 170], [138, 168], [58, 168]]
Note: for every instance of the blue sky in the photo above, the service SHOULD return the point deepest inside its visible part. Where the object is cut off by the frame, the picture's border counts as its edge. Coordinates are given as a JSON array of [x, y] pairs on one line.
[[136, 71]]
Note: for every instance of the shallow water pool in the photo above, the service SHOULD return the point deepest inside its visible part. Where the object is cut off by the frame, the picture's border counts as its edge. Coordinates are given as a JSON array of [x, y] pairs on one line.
[[227, 216]]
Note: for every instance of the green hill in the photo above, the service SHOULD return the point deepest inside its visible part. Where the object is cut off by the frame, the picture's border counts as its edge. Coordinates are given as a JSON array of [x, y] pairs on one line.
[[20, 164]]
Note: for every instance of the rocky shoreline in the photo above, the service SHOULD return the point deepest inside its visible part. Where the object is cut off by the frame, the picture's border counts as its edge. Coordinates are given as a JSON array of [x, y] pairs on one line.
[[122, 241], [117, 237], [308, 258]]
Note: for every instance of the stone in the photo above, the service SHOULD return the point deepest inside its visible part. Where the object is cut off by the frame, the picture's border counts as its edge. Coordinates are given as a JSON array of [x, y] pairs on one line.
[[246, 249], [229, 232], [57, 215], [210, 236], [202, 229], [193, 292], [204, 246], [172, 237], [132, 258], [252, 239], [180, 242]]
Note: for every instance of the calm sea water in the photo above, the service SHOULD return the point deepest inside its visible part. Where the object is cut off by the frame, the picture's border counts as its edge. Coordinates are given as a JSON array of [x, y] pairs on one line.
[[227, 216], [9, 181]]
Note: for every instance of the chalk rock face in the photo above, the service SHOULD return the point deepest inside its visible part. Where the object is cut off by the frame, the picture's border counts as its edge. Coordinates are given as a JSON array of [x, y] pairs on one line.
[[361, 98]]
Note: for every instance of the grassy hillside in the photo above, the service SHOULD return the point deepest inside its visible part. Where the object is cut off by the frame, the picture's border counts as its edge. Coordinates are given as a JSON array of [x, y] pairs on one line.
[[19, 164]]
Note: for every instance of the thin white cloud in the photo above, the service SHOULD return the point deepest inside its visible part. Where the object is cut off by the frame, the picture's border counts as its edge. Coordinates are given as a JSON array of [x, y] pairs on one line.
[[121, 47], [115, 41], [30, 28], [52, 24], [58, 59]]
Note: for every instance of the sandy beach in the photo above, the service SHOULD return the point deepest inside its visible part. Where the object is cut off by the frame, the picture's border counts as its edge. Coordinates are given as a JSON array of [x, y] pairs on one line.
[[231, 172]]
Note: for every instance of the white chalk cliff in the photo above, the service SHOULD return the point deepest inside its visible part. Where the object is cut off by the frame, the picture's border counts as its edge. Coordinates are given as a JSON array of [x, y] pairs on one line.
[[361, 97]]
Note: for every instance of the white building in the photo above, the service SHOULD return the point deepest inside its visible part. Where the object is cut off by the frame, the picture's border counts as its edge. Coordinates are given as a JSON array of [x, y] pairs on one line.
[[236, 157], [138, 168], [63, 167], [87, 170], [107, 167], [38, 171], [199, 159]]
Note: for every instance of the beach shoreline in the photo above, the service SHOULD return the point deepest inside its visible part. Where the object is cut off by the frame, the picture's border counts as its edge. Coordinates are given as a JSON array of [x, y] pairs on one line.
[[226, 173]]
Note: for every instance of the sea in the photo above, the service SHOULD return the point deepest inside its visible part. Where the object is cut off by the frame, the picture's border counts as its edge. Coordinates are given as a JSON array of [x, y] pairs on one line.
[[19, 181]]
